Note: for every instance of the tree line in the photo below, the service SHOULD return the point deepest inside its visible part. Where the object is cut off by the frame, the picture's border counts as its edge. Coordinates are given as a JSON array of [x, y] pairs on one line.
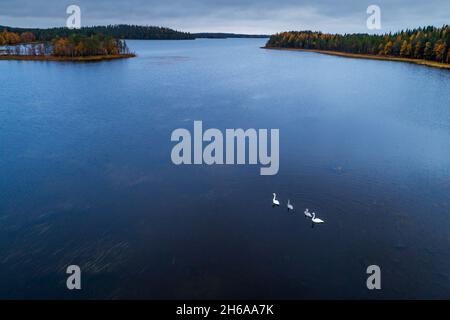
[[224, 35], [12, 38], [429, 43], [117, 31], [123, 31]]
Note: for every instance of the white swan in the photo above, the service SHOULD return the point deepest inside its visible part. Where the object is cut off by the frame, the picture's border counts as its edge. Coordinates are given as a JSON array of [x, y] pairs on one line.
[[316, 220], [290, 206], [275, 202], [307, 213]]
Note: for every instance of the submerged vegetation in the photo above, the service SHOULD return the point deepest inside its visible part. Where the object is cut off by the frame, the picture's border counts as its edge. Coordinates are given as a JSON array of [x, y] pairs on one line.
[[427, 43]]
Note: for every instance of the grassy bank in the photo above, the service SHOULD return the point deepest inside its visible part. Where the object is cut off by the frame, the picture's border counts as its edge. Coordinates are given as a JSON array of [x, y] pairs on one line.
[[428, 63], [69, 59]]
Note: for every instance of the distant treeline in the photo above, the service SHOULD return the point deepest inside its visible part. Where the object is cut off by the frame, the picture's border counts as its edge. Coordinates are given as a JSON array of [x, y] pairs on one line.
[[219, 35], [429, 43], [116, 31], [123, 31]]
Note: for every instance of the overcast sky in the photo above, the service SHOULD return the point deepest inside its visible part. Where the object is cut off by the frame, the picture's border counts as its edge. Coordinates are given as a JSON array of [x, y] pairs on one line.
[[241, 16]]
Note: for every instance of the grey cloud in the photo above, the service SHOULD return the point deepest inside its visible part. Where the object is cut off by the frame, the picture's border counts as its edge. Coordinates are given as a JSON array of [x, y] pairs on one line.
[[251, 16]]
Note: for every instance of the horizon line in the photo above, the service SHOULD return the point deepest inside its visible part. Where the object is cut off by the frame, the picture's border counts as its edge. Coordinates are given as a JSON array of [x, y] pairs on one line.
[[378, 32]]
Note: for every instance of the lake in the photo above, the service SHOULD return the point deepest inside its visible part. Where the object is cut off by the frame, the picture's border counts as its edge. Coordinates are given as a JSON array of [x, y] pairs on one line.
[[87, 177]]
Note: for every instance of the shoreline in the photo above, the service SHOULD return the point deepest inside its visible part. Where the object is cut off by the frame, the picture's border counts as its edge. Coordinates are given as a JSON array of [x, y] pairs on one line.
[[68, 59], [427, 63]]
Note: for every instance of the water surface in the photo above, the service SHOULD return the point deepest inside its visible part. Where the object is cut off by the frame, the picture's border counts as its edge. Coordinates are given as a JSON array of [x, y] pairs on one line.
[[87, 177]]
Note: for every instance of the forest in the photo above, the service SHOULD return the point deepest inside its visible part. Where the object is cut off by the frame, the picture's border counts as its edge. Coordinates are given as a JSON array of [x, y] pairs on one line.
[[428, 43], [117, 31], [123, 31], [94, 45], [75, 45]]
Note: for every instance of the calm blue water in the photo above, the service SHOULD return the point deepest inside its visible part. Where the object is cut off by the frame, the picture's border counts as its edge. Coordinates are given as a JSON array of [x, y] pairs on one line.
[[86, 176]]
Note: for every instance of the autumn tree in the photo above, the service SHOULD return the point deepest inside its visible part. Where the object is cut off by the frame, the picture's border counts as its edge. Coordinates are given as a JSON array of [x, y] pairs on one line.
[[428, 51], [27, 37], [418, 50], [388, 48], [404, 49], [439, 51], [79, 46]]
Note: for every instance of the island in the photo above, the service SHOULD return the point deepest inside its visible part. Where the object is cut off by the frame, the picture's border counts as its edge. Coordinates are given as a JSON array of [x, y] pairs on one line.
[[75, 47], [428, 46]]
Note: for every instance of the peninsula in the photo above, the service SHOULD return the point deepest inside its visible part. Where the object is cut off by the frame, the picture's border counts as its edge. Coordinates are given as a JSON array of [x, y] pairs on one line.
[[428, 46]]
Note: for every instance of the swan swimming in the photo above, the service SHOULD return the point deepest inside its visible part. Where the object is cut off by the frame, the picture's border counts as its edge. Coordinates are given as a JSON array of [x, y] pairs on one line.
[[307, 213], [275, 202], [290, 206], [316, 220]]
